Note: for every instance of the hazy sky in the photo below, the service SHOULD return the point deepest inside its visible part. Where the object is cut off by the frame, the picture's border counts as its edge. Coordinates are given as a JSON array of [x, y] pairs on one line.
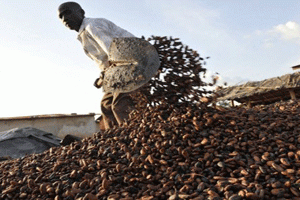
[[45, 71]]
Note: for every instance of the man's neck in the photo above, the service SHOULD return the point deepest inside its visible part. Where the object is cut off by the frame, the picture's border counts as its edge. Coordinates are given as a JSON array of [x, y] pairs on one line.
[[78, 28]]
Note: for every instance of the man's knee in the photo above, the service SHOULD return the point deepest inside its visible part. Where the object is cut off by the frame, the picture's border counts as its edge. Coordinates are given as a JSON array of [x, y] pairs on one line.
[[118, 109], [121, 112]]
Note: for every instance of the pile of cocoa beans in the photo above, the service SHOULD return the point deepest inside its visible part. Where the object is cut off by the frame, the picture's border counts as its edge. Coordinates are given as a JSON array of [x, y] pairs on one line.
[[177, 145], [171, 152]]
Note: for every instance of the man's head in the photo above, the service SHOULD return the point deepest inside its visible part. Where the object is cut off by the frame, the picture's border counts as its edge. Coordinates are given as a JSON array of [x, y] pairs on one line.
[[71, 14]]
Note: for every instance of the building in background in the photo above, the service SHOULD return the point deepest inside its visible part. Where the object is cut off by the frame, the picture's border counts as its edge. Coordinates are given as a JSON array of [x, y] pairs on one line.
[[60, 125], [296, 67]]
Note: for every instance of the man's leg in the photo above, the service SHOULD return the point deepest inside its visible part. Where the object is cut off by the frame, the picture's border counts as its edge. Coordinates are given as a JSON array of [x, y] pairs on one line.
[[122, 105], [106, 107]]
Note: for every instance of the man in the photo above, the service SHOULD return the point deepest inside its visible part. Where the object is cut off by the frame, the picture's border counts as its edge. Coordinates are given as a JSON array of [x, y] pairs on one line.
[[97, 35]]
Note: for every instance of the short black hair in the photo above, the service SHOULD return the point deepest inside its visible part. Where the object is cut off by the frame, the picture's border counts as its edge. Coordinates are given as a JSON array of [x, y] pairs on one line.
[[68, 5]]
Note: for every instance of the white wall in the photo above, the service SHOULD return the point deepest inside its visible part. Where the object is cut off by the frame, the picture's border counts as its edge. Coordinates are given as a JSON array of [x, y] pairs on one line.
[[58, 125]]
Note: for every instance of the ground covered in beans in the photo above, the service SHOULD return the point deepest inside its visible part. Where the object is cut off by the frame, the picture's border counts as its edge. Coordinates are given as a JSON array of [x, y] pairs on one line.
[[176, 145], [171, 152]]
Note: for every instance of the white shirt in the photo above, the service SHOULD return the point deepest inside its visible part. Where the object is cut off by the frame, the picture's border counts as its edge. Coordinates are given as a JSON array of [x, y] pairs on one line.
[[96, 35]]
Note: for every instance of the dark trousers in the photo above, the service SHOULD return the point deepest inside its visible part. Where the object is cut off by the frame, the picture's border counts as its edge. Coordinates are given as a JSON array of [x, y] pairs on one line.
[[115, 108]]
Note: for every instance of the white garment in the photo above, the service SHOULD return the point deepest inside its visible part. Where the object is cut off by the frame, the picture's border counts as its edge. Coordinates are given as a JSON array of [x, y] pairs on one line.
[[96, 35]]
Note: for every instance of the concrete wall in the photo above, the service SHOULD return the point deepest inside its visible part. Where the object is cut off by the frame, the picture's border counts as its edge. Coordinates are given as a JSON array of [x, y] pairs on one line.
[[58, 125]]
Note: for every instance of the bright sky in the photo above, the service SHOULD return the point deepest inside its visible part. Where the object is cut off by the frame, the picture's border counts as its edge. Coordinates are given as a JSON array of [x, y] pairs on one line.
[[45, 71]]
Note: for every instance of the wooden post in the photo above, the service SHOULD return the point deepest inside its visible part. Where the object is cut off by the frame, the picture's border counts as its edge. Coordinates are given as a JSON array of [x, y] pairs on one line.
[[292, 93], [232, 103], [249, 104]]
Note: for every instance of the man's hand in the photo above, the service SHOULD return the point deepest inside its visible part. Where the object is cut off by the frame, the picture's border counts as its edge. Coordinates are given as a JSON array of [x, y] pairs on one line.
[[98, 83], [107, 63]]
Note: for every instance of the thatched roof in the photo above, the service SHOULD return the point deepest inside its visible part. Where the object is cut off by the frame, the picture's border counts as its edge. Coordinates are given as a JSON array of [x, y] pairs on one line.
[[296, 67], [264, 92]]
